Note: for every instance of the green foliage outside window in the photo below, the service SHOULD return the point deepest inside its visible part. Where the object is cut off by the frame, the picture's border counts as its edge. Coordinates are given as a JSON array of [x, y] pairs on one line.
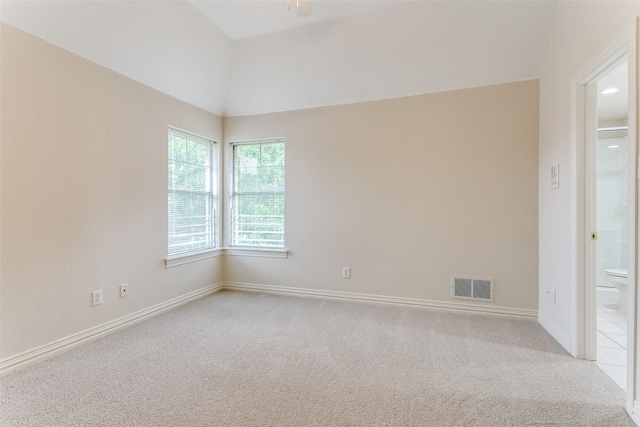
[[190, 193], [258, 194]]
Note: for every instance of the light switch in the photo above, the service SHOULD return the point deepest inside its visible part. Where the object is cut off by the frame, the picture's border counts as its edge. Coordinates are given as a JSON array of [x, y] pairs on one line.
[[555, 176]]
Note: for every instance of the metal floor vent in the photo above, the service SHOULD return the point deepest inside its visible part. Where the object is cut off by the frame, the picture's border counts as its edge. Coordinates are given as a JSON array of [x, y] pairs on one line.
[[472, 288]]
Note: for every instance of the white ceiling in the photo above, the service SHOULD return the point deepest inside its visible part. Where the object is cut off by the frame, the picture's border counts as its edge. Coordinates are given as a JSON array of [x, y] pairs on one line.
[[168, 46], [409, 48], [614, 106], [248, 57], [247, 18]]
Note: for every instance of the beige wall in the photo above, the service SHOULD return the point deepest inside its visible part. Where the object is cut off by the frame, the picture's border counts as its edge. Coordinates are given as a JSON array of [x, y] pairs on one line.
[[84, 203], [407, 192], [580, 31]]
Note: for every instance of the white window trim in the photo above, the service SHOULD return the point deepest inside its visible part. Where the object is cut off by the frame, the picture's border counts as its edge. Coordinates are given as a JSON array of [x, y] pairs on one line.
[[257, 252], [224, 223], [216, 185], [237, 250], [192, 257]]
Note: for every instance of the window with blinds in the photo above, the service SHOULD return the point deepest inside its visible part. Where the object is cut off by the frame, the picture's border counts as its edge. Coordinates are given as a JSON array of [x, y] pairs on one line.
[[191, 196], [257, 199]]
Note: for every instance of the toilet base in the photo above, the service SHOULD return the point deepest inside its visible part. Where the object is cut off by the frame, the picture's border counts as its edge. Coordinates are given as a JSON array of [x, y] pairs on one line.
[[618, 278], [622, 299]]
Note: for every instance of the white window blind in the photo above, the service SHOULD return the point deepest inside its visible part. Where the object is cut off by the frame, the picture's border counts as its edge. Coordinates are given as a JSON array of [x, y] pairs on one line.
[[257, 200], [191, 198]]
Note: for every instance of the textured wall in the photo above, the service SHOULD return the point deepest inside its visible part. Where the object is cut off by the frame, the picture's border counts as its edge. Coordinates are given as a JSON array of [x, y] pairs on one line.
[[84, 193], [407, 192], [412, 47], [149, 41], [580, 31]]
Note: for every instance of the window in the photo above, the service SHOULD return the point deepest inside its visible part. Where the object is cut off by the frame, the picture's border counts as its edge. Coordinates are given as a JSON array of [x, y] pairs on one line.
[[191, 195], [257, 197]]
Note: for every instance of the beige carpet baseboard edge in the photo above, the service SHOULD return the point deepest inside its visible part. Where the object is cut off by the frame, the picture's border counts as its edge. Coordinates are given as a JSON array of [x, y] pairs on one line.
[[382, 299], [553, 331], [635, 416], [29, 357]]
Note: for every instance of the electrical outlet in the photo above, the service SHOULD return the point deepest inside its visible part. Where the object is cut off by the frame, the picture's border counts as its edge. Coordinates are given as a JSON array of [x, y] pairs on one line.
[[551, 294], [346, 272], [96, 297], [124, 290]]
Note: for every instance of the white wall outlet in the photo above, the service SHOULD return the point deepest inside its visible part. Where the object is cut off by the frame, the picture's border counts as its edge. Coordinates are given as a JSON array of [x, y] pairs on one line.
[[96, 297], [551, 294], [124, 290], [346, 272]]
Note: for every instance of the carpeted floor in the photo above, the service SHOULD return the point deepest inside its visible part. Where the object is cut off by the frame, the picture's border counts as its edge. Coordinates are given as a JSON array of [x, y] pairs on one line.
[[248, 359]]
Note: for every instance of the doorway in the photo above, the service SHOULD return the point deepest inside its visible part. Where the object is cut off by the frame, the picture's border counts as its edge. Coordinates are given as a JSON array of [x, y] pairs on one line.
[[584, 250], [612, 221]]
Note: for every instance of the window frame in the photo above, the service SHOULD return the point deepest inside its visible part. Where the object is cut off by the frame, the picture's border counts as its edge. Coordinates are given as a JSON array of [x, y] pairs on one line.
[[214, 159], [232, 248]]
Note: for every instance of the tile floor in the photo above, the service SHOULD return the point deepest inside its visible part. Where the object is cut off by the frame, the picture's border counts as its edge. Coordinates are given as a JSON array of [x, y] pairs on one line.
[[612, 336]]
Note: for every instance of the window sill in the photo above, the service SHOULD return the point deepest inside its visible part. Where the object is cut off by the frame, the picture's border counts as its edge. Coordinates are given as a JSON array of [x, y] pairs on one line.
[[192, 257], [257, 252], [235, 251]]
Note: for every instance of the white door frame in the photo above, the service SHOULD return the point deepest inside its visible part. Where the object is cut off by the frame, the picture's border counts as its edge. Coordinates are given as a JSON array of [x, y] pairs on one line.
[[591, 201], [591, 212], [583, 317]]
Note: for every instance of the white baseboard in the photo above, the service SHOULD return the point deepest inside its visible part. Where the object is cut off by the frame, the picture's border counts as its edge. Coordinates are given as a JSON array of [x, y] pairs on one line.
[[553, 331], [381, 299], [635, 416], [22, 360], [27, 358]]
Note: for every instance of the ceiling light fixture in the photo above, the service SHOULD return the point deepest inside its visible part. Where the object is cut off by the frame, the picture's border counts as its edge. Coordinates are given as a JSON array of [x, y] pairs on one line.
[[303, 7], [609, 91], [613, 146]]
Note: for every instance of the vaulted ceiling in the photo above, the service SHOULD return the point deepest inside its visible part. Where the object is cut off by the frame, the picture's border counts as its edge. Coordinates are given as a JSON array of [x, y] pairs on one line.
[[249, 57]]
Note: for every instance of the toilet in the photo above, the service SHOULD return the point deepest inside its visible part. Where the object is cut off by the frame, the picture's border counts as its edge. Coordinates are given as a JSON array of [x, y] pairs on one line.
[[619, 278]]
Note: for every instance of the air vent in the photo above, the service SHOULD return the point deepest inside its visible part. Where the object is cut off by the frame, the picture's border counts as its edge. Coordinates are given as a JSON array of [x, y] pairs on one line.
[[472, 288]]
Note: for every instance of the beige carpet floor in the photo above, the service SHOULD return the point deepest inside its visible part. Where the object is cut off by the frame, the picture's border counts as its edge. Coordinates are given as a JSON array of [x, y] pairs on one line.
[[248, 359]]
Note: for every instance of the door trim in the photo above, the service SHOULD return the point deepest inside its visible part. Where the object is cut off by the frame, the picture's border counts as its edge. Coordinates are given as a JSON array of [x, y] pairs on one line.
[[583, 311]]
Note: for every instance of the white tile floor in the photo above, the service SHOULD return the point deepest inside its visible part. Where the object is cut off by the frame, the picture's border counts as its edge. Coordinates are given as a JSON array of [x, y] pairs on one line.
[[612, 336]]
